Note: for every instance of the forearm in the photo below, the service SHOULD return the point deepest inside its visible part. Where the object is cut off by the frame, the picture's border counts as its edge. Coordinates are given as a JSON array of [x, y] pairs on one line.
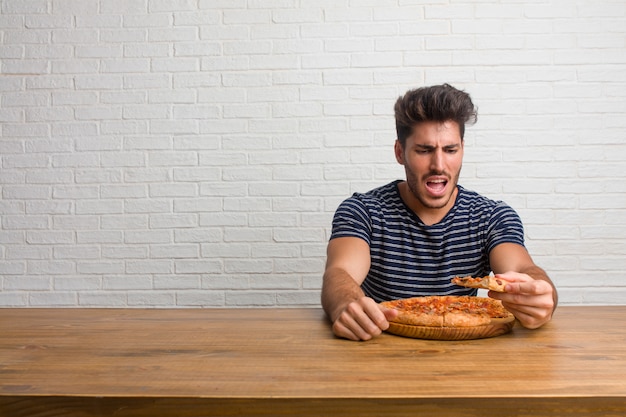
[[338, 290]]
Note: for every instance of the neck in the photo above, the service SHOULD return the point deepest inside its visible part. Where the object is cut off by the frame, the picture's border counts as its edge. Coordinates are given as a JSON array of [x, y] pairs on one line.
[[428, 215]]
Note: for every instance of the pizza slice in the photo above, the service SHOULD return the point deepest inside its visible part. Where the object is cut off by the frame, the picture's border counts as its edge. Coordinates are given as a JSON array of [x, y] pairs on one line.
[[487, 282]]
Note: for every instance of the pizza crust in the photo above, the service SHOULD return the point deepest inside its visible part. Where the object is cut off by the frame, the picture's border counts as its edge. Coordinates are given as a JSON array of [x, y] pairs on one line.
[[420, 319], [456, 319]]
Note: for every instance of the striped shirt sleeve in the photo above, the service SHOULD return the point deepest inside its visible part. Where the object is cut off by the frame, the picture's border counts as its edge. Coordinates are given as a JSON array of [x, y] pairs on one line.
[[352, 220]]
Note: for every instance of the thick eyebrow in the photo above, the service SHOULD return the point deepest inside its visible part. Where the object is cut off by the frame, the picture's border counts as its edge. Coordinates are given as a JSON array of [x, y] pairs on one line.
[[431, 147]]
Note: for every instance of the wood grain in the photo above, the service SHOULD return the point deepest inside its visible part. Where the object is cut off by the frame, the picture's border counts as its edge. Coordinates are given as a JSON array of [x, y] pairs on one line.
[[258, 362]]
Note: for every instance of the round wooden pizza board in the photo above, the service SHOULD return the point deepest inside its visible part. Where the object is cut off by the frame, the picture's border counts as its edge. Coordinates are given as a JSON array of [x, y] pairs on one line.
[[497, 327]]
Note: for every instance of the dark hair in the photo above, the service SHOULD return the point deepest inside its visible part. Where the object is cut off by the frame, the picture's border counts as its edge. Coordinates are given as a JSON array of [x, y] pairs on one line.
[[437, 103]]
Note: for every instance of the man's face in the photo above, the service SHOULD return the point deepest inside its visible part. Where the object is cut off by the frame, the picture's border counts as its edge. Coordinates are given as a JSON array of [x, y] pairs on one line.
[[432, 159]]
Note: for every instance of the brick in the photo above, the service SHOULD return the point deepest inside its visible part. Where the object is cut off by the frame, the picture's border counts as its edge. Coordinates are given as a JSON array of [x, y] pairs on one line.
[[74, 36], [196, 173], [130, 252], [167, 221], [151, 298], [12, 268], [102, 299], [179, 64], [123, 159], [275, 282], [200, 298], [147, 236], [52, 299], [49, 237], [173, 190], [197, 205], [298, 298], [123, 7], [145, 50], [127, 282], [99, 268], [215, 189], [28, 7], [48, 51], [19, 251], [176, 282], [256, 298], [31, 66], [99, 21], [147, 205], [99, 207], [174, 127], [252, 266], [291, 266], [177, 251], [76, 283], [50, 267], [94, 236], [149, 267], [125, 65], [76, 252], [126, 222], [220, 250], [75, 223], [246, 205], [278, 250], [236, 234], [102, 82], [198, 266], [198, 235]]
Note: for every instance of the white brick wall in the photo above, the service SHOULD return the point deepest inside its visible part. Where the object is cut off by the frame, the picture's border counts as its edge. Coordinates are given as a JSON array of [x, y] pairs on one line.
[[191, 153]]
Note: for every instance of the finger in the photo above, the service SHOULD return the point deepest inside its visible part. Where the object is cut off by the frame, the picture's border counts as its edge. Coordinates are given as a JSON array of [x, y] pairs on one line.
[[370, 315], [377, 315], [390, 313], [372, 326], [521, 309], [340, 330], [348, 328], [496, 295], [513, 297], [535, 287], [529, 317], [512, 276], [362, 320]]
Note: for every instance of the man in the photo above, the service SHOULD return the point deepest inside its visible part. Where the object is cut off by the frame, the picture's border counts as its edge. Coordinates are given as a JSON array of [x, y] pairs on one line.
[[409, 238]]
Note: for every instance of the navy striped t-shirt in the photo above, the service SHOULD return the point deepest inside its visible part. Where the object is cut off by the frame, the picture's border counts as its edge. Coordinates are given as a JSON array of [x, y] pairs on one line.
[[409, 258]]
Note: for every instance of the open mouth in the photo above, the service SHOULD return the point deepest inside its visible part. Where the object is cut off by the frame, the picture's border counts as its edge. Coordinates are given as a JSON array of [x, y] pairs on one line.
[[436, 186]]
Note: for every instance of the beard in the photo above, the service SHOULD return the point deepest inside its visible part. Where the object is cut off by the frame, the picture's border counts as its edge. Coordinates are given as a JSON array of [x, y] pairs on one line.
[[413, 184]]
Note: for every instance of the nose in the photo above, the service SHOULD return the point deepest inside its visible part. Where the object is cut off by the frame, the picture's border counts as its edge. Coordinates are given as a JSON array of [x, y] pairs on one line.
[[437, 161]]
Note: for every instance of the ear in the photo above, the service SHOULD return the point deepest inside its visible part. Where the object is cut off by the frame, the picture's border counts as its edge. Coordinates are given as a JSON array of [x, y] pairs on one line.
[[399, 151]]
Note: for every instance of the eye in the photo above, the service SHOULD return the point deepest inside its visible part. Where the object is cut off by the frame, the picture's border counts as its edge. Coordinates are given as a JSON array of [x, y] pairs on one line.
[[422, 151]]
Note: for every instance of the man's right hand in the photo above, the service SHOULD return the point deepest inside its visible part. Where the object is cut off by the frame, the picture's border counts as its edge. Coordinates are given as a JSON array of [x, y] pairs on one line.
[[363, 319]]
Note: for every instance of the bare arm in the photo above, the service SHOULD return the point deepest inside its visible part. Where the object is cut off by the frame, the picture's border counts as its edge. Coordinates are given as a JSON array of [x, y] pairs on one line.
[[530, 294], [354, 315]]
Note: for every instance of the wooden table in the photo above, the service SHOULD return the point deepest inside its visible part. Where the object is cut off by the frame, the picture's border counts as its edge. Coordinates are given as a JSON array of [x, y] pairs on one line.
[[273, 362]]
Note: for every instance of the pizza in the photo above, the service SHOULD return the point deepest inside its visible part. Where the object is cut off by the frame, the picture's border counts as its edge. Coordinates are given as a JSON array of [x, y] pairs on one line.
[[447, 311], [487, 282]]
